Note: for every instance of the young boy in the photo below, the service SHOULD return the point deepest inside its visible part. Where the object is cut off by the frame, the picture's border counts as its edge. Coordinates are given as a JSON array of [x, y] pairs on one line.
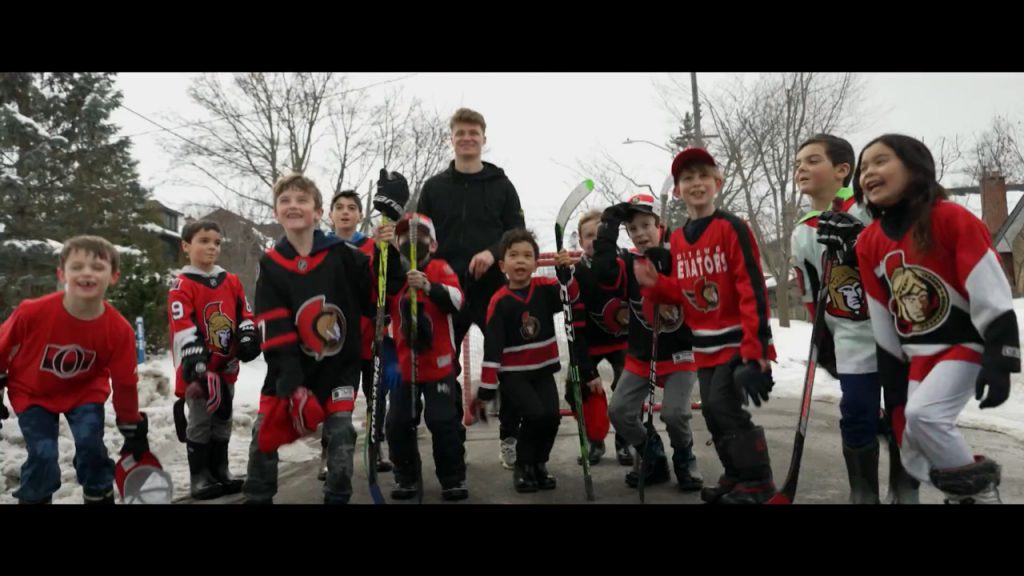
[[439, 299], [310, 294], [346, 214], [521, 350], [211, 329], [717, 278], [63, 354], [675, 367], [824, 169], [607, 329]]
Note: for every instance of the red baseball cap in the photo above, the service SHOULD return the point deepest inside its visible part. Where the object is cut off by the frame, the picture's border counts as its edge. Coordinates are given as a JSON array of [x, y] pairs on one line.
[[691, 156]]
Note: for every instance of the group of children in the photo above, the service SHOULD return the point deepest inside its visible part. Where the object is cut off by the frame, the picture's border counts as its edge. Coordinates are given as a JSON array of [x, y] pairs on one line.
[[916, 304]]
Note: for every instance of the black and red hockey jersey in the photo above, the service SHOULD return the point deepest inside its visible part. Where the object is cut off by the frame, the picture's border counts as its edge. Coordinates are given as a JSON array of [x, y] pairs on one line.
[[434, 359], [308, 309], [520, 335], [716, 276], [951, 303], [365, 245], [59, 362], [675, 343], [606, 307], [208, 308]]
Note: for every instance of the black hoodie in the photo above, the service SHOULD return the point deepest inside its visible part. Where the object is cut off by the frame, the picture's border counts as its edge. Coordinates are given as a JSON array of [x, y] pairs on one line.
[[470, 213]]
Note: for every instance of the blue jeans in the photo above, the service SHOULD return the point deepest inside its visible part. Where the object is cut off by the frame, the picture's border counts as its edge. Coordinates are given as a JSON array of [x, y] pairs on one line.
[[40, 474], [859, 409]]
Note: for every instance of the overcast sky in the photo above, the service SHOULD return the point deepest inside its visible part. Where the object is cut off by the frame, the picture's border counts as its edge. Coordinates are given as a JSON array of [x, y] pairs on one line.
[[540, 124]]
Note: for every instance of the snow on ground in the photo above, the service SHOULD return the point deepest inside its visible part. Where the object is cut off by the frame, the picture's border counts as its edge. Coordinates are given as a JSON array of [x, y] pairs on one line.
[[156, 398], [792, 345]]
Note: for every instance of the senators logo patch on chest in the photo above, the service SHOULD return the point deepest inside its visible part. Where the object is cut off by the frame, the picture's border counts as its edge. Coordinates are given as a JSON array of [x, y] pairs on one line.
[[705, 296], [919, 301], [530, 327], [322, 328], [846, 295], [671, 315], [67, 361], [613, 317], [219, 328]]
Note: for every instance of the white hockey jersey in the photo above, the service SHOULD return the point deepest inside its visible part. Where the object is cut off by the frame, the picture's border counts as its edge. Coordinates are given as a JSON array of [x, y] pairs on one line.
[[846, 311]]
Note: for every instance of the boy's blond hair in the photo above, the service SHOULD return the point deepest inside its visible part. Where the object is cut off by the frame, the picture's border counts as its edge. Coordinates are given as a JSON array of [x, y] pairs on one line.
[[468, 116], [94, 245], [299, 182], [588, 216]]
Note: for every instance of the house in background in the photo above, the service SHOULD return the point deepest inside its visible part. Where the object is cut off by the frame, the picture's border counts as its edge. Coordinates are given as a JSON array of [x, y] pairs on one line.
[[244, 242], [168, 230], [1001, 207]]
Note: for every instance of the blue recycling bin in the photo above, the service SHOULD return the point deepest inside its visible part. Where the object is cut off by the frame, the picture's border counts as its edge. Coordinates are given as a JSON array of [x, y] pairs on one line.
[[140, 340]]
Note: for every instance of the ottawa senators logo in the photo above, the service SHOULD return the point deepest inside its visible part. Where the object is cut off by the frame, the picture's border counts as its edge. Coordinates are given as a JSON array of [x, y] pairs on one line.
[[67, 361], [322, 328], [219, 328], [846, 295], [671, 315], [704, 296], [613, 318], [530, 327], [919, 302]]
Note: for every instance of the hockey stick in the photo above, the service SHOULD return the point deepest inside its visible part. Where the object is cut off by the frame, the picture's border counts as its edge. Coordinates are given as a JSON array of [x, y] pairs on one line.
[[570, 204], [652, 374], [372, 446], [788, 492], [414, 223]]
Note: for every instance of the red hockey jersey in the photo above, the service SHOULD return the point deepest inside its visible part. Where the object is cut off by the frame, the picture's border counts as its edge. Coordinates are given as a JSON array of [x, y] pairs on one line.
[[58, 362], [718, 280], [209, 307], [433, 361], [951, 303]]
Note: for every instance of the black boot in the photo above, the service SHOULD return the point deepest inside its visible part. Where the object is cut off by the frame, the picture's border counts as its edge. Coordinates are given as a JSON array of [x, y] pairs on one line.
[[903, 488], [545, 481], [749, 451], [322, 474], [684, 463], [229, 484], [383, 465], [523, 479], [405, 488], [454, 491], [101, 498], [862, 468], [204, 485], [622, 453], [405, 482], [727, 481], [596, 452], [654, 466]]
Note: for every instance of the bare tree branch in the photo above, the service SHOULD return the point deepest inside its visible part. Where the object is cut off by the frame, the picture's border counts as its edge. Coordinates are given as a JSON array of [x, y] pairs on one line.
[[269, 124], [760, 124]]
